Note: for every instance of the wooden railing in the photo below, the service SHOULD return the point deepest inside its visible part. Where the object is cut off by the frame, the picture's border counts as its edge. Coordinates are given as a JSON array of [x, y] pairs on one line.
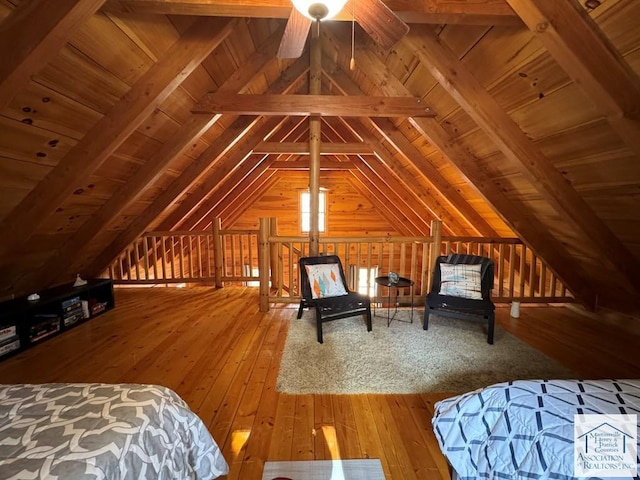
[[212, 257], [263, 258]]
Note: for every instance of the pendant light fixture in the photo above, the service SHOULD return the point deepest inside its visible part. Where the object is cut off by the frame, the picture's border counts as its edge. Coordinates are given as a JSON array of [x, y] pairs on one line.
[[315, 10]]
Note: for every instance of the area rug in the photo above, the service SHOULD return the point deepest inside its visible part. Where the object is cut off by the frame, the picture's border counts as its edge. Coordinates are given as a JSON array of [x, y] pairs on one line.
[[370, 469], [453, 356]]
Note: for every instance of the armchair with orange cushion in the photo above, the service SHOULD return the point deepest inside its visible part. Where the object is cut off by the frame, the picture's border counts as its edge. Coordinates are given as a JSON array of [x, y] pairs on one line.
[[324, 287]]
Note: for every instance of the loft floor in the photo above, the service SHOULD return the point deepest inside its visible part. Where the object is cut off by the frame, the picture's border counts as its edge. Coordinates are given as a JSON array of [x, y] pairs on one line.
[[221, 355]]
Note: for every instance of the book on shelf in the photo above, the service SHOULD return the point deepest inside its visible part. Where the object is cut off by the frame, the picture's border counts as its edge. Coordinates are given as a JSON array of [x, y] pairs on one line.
[[9, 346], [70, 303], [7, 332], [43, 326], [71, 319]]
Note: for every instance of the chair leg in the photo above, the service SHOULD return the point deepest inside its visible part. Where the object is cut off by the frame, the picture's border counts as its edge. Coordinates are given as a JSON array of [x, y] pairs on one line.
[[492, 322], [300, 308], [369, 327], [319, 325], [425, 325]]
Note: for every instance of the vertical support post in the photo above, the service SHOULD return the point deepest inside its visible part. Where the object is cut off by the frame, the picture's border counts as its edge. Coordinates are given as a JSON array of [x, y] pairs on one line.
[[263, 262], [436, 247], [273, 252], [315, 88], [217, 251]]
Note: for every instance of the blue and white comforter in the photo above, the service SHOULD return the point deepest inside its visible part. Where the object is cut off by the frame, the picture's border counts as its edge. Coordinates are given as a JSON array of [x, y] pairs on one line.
[[100, 431], [525, 429]]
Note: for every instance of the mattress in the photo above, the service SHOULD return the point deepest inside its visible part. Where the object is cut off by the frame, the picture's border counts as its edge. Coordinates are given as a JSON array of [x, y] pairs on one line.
[[525, 429], [103, 431]]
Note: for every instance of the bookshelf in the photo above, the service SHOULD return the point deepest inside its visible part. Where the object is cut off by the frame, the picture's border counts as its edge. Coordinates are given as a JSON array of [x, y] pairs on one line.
[[25, 323]]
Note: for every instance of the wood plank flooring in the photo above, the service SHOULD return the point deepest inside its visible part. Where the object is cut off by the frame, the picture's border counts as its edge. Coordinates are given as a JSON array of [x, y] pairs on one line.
[[222, 355]]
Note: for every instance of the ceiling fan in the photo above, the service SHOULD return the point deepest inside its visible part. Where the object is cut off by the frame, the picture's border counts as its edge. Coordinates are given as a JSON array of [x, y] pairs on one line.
[[378, 20]]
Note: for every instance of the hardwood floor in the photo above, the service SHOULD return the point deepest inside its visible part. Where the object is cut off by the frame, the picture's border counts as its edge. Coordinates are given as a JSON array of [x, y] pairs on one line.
[[222, 355]]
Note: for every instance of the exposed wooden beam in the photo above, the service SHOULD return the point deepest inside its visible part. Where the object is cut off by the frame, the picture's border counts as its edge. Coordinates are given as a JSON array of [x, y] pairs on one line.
[[304, 165], [528, 228], [406, 149], [387, 167], [460, 83], [299, 148], [483, 12], [241, 203], [382, 195], [313, 105], [233, 159], [234, 193], [194, 171], [150, 172], [32, 35], [590, 59], [113, 129]]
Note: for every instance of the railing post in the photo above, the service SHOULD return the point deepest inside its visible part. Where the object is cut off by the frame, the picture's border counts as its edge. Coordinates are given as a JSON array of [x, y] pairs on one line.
[[436, 247], [263, 263], [273, 252], [217, 251]]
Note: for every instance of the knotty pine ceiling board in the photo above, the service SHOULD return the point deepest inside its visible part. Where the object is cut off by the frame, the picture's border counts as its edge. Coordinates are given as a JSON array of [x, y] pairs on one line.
[[107, 45], [557, 112], [89, 85], [153, 34], [139, 146], [40, 106], [621, 171], [619, 22], [200, 82], [119, 167], [158, 126], [530, 82], [178, 105], [219, 65], [32, 144], [16, 181], [240, 44]]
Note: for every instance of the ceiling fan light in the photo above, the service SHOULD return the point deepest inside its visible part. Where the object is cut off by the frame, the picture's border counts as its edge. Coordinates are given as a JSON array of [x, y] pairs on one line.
[[319, 10]]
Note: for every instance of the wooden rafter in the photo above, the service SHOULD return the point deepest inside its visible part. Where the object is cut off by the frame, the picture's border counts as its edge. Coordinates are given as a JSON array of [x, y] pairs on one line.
[[460, 83], [303, 164], [236, 195], [240, 204], [150, 172], [528, 228], [32, 34], [194, 171], [485, 12], [387, 166], [323, 105], [589, 58], [112, 130], [405, 148], [300, 148]]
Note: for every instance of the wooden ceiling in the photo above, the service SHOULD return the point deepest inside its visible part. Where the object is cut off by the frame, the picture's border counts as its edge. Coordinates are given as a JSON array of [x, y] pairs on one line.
[[531, 129]]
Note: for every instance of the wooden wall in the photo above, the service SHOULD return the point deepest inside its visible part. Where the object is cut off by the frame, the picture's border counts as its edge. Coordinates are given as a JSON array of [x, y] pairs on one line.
[[349, 212]]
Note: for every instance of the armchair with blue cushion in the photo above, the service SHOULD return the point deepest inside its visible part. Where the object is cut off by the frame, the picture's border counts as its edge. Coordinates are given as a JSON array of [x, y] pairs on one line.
[[461, 288], [324, 287]]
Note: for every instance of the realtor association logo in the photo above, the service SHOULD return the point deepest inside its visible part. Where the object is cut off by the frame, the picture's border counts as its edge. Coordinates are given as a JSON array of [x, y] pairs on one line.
[[605, 445]]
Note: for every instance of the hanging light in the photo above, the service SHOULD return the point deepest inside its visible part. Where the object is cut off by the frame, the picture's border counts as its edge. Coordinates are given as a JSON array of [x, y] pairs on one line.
[[315, 10]]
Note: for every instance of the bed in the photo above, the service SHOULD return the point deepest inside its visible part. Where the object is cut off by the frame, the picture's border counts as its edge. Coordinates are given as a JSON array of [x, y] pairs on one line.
[[103, 431], [525, 429]]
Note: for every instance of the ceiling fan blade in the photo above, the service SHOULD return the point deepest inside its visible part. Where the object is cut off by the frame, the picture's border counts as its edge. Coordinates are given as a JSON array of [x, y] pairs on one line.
[[295, 35], [379, 21]]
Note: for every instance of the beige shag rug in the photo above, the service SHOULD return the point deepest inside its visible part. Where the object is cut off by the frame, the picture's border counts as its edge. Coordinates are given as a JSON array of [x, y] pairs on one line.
[[453, 356]]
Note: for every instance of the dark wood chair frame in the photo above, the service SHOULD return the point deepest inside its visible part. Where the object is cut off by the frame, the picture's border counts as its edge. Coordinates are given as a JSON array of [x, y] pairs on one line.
[[463, 308], [331, 308]]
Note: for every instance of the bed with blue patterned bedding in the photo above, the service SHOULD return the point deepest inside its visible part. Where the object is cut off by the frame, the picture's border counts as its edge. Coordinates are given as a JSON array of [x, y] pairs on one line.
[[525, 429], [103, 431]]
